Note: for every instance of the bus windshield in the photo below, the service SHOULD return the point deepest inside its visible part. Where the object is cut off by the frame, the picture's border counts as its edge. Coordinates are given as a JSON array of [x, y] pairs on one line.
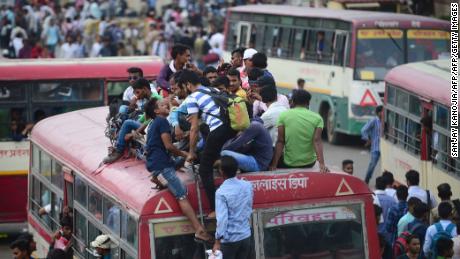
[[427, 45], [321, 231], [380, 50], [377, 52]]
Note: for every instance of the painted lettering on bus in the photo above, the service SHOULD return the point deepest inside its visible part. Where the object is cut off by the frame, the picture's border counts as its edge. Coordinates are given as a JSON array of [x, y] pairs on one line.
[[289, 218], [281, 184], [14, 153]]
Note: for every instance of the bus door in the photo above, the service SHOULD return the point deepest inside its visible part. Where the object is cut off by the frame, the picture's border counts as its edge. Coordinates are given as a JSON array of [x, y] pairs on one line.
[[244, 34], [427, 129], [340, 48], [68, 187]]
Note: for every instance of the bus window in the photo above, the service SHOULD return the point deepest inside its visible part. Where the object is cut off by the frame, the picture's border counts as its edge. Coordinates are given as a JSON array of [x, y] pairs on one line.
[[415, 107], [57, 177], [259, 34], [402, 100], [112, 216], [322, 232], [13, 92], [427, 45], [116, 89], [95, 203], [377, 52], [231, 35], [129, 229], [80, 191], [175, 240], [391, 92], [35, 199], [12, 123], [80, 234], [45, 203], [45, 165], [56, 205], [441, 116], [69, 192], [71, 90], [35, 158], [298, 50]]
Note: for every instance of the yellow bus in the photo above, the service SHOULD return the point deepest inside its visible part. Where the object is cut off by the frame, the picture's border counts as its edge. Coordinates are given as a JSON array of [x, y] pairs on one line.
[[417, 124]]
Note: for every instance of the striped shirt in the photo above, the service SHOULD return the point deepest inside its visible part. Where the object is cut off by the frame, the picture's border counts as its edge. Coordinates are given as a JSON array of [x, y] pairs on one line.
[[198, 101], [372, 131]]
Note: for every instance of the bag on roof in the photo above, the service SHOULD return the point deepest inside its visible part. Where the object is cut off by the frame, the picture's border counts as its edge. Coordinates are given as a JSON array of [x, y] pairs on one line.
[[440, 234], [233, 109]]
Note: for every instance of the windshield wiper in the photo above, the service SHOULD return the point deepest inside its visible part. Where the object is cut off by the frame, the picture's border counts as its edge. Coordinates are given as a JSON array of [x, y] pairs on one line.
[[392, 39]]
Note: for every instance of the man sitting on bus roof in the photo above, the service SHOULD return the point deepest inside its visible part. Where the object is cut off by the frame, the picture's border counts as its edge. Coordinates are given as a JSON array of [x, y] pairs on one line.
[[129, 99], [159, 148], [299, 136], [144, 94]]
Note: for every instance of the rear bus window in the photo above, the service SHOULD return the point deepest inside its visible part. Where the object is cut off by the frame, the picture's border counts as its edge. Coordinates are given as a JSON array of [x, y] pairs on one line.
[[324, 232]]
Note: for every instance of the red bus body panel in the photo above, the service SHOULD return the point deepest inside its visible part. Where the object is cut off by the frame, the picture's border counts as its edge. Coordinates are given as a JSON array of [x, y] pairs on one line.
[[78, 142], [13, 191]]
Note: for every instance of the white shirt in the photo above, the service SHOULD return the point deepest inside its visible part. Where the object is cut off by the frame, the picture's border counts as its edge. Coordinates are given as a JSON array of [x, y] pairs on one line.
[[392, 193], [69, 50], [431, 231], [129, 93], [270, 118], [95, 49], [417, 192]]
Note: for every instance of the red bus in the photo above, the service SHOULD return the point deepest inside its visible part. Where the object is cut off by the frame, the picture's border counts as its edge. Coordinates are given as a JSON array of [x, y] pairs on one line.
[[416, 92], [35, 88], [297, 214]]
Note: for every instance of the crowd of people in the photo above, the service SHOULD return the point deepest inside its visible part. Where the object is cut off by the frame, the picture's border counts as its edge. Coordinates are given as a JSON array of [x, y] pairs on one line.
[[94, 28], [411, 222]]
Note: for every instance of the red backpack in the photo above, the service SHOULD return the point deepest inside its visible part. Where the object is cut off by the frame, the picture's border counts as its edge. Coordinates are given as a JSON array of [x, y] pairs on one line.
[[400, 246]]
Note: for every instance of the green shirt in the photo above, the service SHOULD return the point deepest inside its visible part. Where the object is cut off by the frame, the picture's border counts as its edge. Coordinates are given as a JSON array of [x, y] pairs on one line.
[[142, 117], [299, 130]]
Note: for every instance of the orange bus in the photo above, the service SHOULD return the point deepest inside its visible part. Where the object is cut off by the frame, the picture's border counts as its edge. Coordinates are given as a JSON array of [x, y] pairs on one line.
[[297, 214], [32, 89], [417, 124]]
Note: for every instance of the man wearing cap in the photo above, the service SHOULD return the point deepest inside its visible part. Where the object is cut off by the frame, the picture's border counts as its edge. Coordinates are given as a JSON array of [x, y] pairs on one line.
[[103, 244], [247, 62]]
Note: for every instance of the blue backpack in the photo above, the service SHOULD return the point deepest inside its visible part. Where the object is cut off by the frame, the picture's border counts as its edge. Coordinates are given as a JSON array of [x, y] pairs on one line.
[[440, 234]]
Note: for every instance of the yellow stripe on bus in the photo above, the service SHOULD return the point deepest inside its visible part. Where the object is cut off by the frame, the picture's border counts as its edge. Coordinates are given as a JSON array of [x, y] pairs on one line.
[[16, 172]]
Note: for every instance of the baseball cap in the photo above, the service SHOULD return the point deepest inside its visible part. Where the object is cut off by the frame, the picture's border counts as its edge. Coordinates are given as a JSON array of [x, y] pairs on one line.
[[102, 241], [248, 53]]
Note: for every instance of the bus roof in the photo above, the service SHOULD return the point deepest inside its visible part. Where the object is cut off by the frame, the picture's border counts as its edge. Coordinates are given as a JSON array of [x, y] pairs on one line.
[[377, 19], [428, 79], [45, 69], [77, 140]]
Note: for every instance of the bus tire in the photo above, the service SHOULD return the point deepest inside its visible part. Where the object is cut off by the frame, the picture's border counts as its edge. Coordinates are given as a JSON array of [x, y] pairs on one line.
[[333, 136]]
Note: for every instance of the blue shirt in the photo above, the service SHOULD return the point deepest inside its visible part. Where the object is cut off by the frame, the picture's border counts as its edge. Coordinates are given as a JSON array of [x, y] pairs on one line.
[[394, 215], [372, 131], [198, 101], [157, 156], [174, 114], [233, 210], [386, 202], [255, 141]]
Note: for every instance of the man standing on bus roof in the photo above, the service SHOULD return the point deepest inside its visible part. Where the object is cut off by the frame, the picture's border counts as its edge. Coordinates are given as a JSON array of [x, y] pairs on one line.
[[233, 211], [181, 59], [371, 134]]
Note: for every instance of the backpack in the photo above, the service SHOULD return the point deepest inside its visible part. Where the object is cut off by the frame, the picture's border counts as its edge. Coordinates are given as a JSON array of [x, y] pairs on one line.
[[440, 234], [233, 109], [401, 243]]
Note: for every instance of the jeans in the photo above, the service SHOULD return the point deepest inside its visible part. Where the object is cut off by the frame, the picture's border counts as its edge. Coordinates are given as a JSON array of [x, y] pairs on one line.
[[245, 162], [214, 143], [127, 127], [168, 177], [375, 156], [237, 250]]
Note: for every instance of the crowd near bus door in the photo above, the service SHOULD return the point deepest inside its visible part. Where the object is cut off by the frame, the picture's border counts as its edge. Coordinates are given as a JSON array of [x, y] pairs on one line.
[[68, 186], [244, 34]]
